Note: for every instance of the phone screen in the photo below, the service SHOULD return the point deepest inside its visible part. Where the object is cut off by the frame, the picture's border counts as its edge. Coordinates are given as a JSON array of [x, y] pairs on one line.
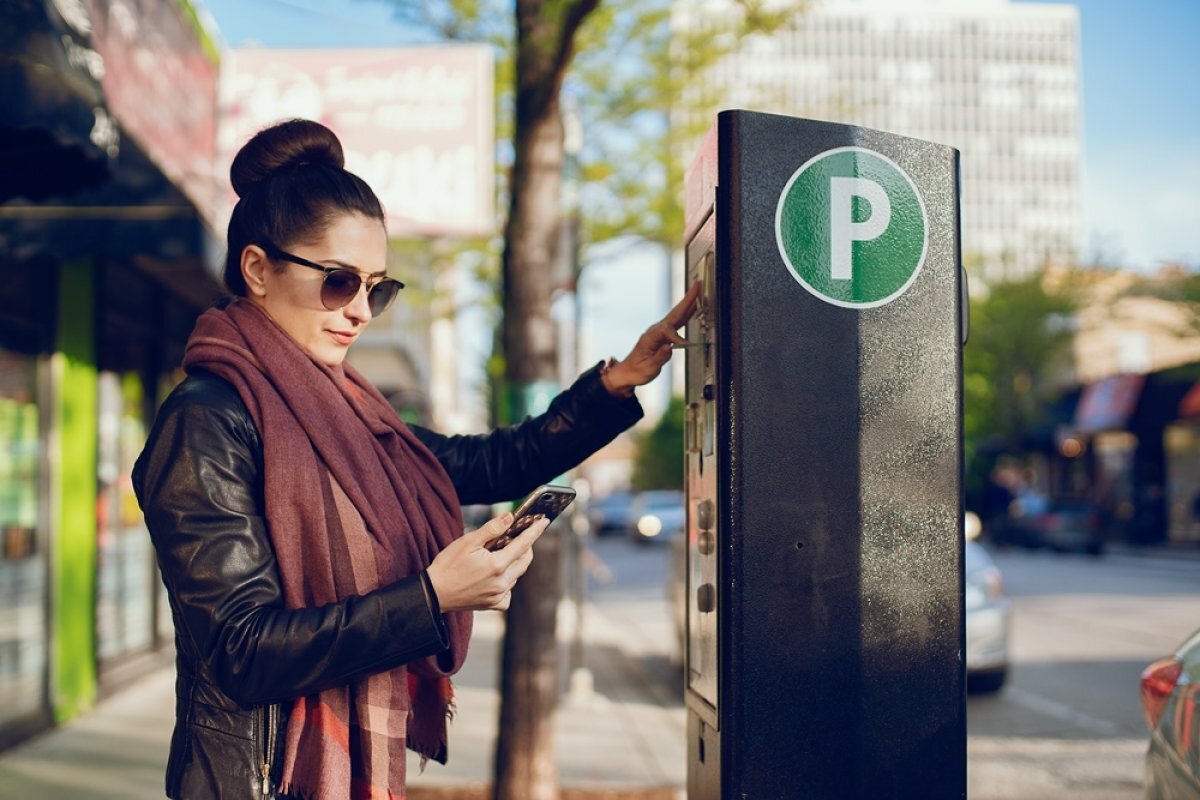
[[546, 501]]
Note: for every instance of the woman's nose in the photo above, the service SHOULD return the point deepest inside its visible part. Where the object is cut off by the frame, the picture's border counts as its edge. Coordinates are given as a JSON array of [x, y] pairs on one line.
[[359, 309]]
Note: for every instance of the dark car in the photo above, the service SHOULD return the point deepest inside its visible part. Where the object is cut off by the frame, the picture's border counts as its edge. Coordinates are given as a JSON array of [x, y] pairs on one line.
[[1170, 694], [1069, 526], [609, 514]]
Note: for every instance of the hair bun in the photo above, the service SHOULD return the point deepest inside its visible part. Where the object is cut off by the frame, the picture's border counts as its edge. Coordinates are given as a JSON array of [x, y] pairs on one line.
[[281, 146]]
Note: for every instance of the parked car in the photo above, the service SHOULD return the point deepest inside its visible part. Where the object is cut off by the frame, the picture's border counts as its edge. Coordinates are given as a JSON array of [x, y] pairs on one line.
[[988, 617], [988, 611], [1062, 525], [657, 516], [1070, 526], [610, 514], [1170, 694]]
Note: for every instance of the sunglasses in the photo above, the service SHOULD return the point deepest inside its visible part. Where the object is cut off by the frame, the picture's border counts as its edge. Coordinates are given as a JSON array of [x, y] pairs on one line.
[[341, 285]]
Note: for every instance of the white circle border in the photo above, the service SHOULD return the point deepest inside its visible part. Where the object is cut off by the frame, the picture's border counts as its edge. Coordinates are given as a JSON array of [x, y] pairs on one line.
[[792, 267]]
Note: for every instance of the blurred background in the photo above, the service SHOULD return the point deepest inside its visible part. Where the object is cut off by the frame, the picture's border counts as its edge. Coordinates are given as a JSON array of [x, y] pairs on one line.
[[1078, 128]]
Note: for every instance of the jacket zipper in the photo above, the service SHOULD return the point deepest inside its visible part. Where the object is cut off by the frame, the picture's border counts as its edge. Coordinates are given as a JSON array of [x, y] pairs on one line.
[[269, 726]]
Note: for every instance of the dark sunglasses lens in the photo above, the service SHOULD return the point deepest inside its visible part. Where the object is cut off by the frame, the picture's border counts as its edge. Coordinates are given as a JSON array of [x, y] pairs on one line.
[[339, 288], [382, 296]]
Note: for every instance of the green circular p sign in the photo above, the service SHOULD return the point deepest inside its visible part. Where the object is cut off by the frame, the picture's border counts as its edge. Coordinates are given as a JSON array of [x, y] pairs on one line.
[[851, 227]]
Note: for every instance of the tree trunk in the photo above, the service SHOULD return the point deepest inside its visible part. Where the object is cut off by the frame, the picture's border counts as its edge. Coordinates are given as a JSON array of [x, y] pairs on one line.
[[526, 768]]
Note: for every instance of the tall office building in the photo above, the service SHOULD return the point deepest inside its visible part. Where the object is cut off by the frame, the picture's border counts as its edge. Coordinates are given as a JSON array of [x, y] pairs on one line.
[[998, 80]]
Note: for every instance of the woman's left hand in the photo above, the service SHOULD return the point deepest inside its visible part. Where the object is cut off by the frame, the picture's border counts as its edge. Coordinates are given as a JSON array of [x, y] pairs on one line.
[[653, 348]]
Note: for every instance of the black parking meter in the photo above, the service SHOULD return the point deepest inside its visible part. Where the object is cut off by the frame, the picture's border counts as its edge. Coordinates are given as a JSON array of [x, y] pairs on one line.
[[824, 568]]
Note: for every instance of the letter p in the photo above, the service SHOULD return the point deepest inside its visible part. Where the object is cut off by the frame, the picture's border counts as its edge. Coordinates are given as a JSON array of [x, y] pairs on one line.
[[844, 231]]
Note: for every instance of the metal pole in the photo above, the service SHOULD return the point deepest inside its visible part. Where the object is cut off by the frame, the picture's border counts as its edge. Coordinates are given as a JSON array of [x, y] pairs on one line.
[[581, 681]]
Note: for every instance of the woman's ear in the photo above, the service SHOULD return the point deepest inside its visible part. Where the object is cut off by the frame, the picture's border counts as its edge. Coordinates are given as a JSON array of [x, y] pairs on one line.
[[254, 270]]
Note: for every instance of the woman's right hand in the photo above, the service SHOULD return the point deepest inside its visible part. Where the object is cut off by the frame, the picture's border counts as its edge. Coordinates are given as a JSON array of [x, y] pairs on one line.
[[466, 576]]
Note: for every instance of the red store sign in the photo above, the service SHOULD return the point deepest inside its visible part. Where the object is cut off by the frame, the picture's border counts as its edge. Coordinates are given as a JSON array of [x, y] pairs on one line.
[[161, 86]]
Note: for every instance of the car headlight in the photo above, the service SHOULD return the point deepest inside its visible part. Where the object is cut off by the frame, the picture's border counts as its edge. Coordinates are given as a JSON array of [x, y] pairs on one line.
[[649, 525]]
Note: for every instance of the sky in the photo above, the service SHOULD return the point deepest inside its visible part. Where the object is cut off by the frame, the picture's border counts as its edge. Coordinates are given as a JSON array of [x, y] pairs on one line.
[[1141, 127], [1141, 108], [1141, 130]]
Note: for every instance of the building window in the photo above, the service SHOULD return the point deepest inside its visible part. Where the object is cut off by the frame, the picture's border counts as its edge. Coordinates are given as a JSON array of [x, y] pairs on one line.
[[126, 585], [23, 566]]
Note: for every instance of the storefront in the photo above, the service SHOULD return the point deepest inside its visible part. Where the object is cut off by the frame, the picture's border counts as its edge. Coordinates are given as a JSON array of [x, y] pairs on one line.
[[137, 355], [1134, 450], [106, 243], [24, 565], [1183, 471]]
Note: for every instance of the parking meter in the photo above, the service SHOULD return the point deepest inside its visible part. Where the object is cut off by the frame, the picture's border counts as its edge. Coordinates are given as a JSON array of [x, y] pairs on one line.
[[825, 639]]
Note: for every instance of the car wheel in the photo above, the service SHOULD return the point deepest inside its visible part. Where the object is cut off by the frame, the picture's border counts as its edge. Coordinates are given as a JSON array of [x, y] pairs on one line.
[[987, 681]]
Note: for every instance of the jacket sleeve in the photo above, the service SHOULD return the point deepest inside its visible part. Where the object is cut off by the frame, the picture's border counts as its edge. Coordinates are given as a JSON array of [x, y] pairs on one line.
[[199, 484], [512, 461]]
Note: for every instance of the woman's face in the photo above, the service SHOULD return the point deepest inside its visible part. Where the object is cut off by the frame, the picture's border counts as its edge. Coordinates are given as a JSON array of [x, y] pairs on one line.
[[292, 296]]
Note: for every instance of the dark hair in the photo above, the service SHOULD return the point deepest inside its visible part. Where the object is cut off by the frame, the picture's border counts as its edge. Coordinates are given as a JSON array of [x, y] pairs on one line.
[[291, 185]]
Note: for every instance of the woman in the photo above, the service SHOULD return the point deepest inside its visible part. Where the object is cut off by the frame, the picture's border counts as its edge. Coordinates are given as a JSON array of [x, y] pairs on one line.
[[311, 543]]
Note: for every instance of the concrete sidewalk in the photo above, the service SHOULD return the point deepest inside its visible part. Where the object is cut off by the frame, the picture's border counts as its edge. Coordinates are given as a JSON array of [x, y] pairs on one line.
[[623, 741]]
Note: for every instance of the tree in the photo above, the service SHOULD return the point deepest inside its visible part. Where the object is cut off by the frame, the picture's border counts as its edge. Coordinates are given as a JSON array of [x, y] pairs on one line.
[[525, 764], [637, 67], [658, 462], [1019, 330], [648, 87]]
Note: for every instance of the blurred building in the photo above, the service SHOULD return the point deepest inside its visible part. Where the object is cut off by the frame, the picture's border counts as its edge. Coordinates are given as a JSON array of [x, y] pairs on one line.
[[998, 80], [107, 150], [1128, 437]]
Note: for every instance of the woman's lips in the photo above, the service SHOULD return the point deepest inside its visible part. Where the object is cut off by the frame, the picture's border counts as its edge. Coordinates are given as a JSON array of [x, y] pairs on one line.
[[341, 337]]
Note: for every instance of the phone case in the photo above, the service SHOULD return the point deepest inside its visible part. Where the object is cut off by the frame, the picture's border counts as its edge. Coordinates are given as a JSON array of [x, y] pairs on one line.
[[546, 502]]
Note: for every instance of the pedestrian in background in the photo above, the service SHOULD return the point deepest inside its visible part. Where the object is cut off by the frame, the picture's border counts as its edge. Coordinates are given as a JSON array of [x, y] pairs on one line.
[[312, 543]]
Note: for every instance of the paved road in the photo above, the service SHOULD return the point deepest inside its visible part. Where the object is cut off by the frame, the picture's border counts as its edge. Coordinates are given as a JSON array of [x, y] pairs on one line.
[[1069, 723]]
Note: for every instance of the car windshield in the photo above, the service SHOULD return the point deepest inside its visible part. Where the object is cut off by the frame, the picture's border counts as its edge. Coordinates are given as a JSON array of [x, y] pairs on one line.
[[976, 558], [614, 501], [662, 499]]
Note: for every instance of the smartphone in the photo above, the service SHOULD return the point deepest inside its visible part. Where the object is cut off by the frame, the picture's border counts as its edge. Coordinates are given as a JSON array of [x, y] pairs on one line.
[[546, 501]]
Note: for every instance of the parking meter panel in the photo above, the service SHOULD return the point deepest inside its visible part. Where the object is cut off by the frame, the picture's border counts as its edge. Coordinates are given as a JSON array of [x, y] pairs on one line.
[[704, 501], [835, 373]]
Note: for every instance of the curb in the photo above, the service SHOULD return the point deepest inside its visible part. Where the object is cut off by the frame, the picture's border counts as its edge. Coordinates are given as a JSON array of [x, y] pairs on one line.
[[484, 792]]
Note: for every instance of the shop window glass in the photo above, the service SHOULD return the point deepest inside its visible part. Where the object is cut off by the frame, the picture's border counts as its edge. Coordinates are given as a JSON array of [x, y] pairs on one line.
[[22, 557], [126, 581], [1182, 442]]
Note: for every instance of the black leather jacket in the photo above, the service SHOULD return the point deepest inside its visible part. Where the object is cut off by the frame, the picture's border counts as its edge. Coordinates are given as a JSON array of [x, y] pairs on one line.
[[240, 655]]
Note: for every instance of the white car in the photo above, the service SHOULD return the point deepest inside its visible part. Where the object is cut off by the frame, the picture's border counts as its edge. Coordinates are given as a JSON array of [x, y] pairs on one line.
[[989, 616]]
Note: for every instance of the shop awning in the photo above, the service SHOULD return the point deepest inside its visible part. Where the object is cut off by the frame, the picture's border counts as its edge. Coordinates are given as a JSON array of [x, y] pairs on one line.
[[55, 134], [1107, 404], [107, 139]]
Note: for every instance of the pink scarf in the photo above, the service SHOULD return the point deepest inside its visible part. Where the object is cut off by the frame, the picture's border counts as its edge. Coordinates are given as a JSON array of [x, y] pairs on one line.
[[353, 502]]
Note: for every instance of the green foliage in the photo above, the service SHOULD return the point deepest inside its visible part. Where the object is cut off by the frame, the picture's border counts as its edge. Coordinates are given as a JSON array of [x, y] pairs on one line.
[[645, 107], [658, 462], [636, 80], [207, 43], [1019, 333]]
